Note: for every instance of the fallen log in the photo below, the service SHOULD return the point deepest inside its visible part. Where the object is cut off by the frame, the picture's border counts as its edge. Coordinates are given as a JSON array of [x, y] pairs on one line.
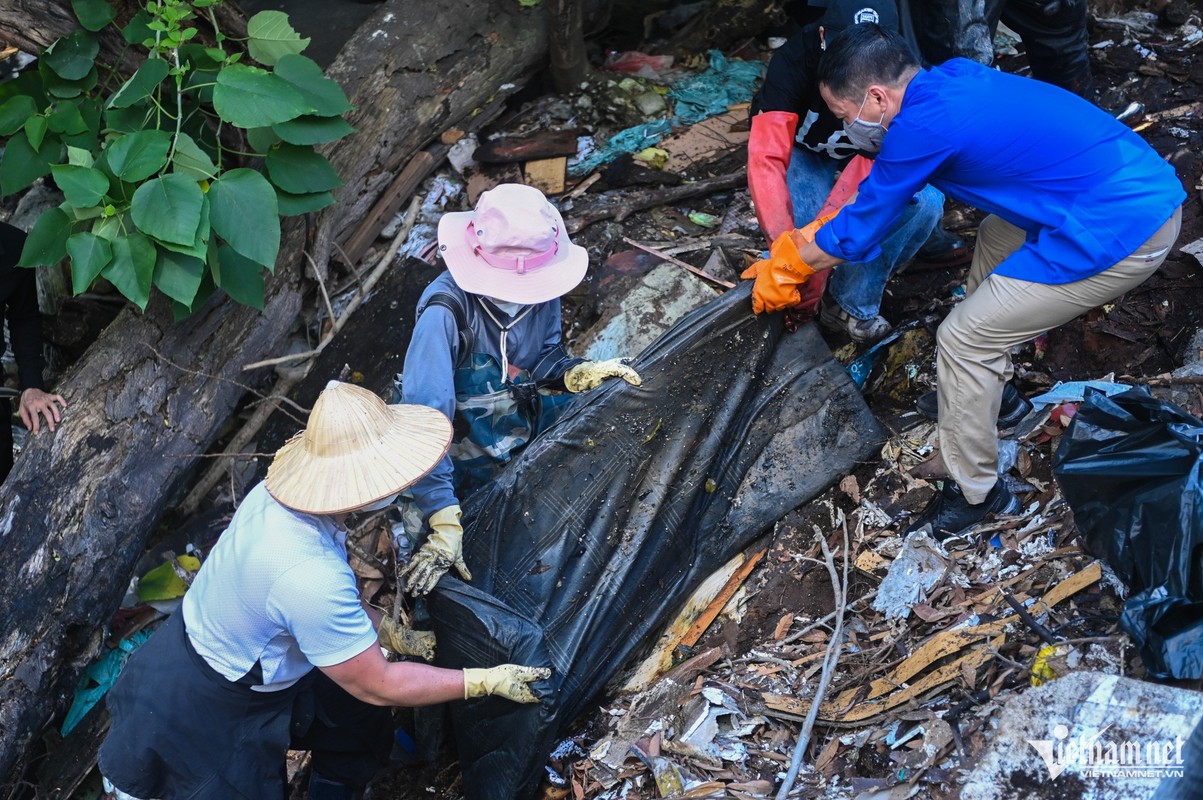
[[149, 397]]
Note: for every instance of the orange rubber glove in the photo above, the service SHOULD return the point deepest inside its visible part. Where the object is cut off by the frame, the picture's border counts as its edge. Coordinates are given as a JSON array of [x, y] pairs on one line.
[[779, 276]]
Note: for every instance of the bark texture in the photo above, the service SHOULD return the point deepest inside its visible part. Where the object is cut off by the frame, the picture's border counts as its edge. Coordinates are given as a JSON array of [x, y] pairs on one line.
[[150, 395]]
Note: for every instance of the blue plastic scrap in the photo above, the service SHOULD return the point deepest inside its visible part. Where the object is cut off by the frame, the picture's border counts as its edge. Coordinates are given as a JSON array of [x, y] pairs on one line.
[[99, 677], [724, 83], [1075, 392], [709, 93]]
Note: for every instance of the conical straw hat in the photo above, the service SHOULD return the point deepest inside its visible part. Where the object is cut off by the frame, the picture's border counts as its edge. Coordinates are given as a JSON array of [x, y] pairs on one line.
[[356, 450]]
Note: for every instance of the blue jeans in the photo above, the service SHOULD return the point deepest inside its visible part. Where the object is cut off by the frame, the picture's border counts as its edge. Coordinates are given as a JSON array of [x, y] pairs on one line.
[[858, 287]]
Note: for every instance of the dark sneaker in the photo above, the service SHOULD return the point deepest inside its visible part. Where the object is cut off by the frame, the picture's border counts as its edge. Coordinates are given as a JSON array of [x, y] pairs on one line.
[[950, 514], [1014, 406], [861, 331], [943, 249]]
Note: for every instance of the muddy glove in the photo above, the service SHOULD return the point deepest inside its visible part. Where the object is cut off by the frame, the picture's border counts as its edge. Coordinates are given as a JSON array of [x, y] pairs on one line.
[[406, 641], [779, 276], [510, 681], [589, 375], [442, 550]]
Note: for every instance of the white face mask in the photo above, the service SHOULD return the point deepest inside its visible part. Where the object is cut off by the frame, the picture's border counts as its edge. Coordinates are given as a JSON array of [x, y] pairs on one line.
[[380, 504], [509, 308]]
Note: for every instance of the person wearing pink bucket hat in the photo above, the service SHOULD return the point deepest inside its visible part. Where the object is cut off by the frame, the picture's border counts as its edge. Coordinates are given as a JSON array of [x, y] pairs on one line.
[[486, 351]]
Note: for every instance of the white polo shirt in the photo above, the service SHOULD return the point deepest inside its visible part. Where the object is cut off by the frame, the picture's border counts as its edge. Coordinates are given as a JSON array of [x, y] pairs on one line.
[[276, 589]]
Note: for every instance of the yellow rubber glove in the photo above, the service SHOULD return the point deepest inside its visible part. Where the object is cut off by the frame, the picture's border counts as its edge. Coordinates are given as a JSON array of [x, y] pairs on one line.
[[589, 375], [510, 681], [406, 641], [442, 550], [779, 276]]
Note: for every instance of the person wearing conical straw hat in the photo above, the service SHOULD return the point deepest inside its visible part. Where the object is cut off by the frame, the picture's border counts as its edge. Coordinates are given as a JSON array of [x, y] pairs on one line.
[[208, 707], [486, 352]]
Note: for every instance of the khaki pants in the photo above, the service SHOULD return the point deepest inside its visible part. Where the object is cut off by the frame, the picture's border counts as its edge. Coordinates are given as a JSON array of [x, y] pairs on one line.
[[973, 360]]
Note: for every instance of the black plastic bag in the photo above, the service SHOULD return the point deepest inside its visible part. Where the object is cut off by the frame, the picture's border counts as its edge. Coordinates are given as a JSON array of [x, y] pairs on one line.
[[596, 533], [1129, 466]]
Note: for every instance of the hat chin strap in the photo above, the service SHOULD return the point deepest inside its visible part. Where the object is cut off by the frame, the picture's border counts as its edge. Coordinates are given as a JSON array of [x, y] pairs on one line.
[[505, 332], [519, 263]]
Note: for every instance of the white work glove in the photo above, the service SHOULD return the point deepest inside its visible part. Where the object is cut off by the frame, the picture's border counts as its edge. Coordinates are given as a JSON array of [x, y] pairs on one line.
[[442, 550], [406, 641], [511, 681], [589, 374]]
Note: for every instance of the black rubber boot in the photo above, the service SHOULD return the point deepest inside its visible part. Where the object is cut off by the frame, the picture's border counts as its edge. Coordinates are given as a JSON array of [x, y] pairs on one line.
[[1014, 406], [950, 514], [944, 249]]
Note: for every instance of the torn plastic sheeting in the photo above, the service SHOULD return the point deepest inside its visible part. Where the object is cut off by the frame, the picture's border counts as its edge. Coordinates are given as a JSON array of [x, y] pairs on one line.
[[1129, 466], [724, 84], [1075, 392], [589, 540]]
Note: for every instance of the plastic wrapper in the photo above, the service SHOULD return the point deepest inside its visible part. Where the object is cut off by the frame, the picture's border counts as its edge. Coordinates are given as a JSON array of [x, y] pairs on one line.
[[1129, 466], [588, 541]]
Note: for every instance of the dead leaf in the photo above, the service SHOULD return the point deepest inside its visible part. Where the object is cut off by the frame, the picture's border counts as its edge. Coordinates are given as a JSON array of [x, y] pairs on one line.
[[783, 626], [969, 673], [849, 487]]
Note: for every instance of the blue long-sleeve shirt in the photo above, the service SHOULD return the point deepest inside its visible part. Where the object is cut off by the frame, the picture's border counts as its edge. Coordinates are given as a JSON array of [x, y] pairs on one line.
[[1086, 189], [428, 378]]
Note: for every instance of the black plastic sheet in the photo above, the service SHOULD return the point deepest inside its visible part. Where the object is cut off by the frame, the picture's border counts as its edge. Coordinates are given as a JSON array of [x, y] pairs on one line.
[[592, 537], [1129, 466]]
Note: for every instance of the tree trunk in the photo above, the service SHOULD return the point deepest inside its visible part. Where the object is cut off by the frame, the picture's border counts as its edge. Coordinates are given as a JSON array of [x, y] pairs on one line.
[[150, 396], [569, 67], [31, 25]]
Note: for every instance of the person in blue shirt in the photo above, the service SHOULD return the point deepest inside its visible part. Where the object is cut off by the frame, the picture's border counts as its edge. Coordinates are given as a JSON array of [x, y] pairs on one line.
[[1080, 211], [486, 351]]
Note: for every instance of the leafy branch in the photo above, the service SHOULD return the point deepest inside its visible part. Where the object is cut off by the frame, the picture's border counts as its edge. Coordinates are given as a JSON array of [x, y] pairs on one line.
[[159, 190]]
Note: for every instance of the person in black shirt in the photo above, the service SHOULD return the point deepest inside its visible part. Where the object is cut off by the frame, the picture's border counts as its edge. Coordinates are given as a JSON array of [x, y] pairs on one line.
[[19, 297], [797, 148]]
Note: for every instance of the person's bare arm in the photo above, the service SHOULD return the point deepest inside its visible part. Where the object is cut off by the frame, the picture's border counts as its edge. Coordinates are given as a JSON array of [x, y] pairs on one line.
[[372, 679]]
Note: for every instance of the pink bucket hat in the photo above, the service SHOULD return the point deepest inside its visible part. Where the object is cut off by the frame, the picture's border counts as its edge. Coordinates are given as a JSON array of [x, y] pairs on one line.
[[512, 247]]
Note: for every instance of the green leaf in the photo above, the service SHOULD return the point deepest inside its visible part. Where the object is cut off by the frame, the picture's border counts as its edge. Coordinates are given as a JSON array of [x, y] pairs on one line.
[[79, 157], [89, 256], [261, 139], [272, 37], [82, 186], [300, 170], [243, 211], [168, 208], [29, 84], [178, 276], [14, 112], [239, 277], [111, 227], [141, 84], [251, 98], [46, 244], [139, 155], [84, 214], [313, 130], [325, 95], [199, 246], [132, 268], [125, 120], [73, 56], [93, 14], [292, 205], [207, 288], [190, 160], [88, 138], [58, 86], [136, 30], [35, 130], [21, 164], [67, 119]]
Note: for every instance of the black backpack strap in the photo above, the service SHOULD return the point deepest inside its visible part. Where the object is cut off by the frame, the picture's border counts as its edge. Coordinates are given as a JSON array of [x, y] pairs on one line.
[[459, 311]]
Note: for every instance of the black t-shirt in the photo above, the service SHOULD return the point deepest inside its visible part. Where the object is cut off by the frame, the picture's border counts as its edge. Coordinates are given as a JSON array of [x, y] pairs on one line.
[[791, 85]]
